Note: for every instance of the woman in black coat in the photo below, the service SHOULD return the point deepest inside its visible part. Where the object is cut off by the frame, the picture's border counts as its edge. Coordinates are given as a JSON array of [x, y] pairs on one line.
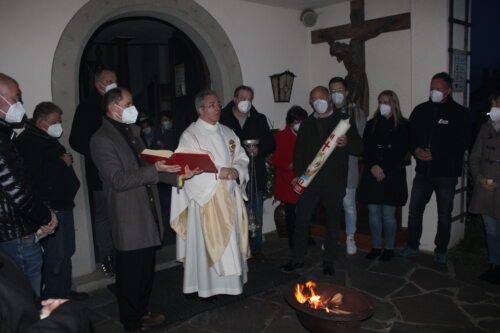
[[383, 183]]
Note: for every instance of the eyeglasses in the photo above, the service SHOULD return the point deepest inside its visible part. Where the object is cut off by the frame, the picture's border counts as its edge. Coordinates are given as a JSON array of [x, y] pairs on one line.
[[212, 106]]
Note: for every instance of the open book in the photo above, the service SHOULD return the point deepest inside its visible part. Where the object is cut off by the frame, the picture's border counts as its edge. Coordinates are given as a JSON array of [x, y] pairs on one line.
[[193, 159]]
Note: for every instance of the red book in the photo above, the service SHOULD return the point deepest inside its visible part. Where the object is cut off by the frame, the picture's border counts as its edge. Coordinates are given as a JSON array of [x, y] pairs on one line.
[[195, 160]]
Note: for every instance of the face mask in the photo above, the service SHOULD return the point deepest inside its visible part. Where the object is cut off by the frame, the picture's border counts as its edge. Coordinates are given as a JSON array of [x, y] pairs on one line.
[[55, 130], [338, 99], [129, 115], [167, 125], [296, 127], [320, 106], [385, 110], [110, 86], [244, 106], [495, 114], [15, 113], [436, 96], [147, 130]]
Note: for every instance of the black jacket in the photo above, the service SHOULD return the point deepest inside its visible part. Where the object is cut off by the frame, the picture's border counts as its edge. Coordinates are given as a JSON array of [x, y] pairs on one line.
[[387, 146], [312, 135], [55, 182], [255, 127], [21, 212], [445, 129], [87, 120], [19, 313]]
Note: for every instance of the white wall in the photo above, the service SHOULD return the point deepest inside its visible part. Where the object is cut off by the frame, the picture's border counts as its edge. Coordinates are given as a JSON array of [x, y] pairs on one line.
[[267, 40]]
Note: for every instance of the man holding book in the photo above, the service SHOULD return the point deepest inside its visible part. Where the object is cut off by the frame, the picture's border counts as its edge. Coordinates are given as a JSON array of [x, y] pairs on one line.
[[209, 214], [133, 205]]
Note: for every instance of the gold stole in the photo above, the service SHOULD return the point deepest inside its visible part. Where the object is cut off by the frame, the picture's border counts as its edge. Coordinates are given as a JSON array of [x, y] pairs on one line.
[[218, 217]]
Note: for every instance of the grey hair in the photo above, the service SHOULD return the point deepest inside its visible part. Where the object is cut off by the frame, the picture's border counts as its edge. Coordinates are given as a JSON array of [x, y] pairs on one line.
[[198, 99]]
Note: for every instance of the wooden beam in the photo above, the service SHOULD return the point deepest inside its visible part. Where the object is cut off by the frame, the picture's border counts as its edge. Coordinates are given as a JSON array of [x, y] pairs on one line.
[[390, 23]]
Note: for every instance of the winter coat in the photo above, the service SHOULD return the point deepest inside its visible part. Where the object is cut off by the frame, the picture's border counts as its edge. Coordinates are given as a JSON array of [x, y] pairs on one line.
[[19, 311], [312, 135], [87, 120], [485, 163], [54, 181], [255, 127], [386, 146], [130, 187], [444, 128], [21, 211], [282, 159]]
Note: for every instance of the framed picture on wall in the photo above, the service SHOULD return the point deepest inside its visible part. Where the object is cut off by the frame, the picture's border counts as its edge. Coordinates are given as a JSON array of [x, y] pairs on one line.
[[180, 80]]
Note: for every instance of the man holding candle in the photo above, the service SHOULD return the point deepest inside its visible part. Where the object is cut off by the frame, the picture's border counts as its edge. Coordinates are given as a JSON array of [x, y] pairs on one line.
[[330, 180]]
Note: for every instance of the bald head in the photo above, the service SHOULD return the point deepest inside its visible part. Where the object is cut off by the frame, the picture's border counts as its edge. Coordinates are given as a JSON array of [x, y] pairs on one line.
[[9, 92]]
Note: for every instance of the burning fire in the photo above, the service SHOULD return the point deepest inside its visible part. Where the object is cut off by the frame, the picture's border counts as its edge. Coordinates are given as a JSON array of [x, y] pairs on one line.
[[315, 301]]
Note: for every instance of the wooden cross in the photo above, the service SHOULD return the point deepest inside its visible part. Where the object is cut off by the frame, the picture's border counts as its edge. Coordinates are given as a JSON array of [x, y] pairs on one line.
[[353, 54]]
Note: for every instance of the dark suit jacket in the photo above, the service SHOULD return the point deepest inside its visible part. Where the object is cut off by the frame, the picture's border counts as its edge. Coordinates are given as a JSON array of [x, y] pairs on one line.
[[19, 312], [134, 224]]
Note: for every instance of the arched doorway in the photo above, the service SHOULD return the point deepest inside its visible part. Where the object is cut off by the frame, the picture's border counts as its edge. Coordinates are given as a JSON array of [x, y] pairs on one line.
[[189, 17]]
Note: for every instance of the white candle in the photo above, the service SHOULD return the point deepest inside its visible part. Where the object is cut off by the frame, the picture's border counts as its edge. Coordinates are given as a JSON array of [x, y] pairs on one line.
[[322, 155]]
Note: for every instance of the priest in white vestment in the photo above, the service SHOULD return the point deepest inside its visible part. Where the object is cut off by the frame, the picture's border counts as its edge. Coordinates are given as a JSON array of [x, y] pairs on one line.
[[209, 214]]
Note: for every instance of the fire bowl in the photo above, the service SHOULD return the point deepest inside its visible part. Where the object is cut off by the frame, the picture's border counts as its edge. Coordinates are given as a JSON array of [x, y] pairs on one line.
[[320, 321]]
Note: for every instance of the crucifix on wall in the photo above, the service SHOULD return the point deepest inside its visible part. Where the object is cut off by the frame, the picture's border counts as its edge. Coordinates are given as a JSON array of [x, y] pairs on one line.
[[353, 53]]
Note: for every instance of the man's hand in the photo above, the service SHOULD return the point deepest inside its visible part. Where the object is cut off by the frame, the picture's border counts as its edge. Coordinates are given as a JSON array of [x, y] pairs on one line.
[[188, 173], [377, 172], [342, 141], [488, 184], [50, 227], [228, 173], [67, 158], [423, 154], [161, 166], [50, 305], [252, 150]]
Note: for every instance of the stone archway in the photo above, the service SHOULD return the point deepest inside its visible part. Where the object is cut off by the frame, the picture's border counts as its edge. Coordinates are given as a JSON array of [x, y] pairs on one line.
[[186, 15]]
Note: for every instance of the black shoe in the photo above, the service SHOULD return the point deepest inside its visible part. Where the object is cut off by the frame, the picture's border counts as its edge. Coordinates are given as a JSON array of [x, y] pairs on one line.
[[386, 255], [77, 296], [374, 253], [106, 266], [152, 319], [210, 299], [328, 268], [291, 266]]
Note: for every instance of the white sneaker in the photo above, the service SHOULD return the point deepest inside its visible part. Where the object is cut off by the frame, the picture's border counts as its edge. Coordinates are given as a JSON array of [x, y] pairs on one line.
[[351, 245]]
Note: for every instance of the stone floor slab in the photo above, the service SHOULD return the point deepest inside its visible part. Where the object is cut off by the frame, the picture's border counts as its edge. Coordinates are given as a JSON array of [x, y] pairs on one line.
[[431, 280], [249, 316], [409, 289], [431, 309], [490, 325], [285, 321], [400, 327], [482, 310], [373, 283], [399, 267]]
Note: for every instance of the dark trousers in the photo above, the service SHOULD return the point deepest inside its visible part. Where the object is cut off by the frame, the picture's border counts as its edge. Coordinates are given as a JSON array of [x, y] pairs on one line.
[[421, 192], [331, 198], [58, 249], [290, 222], [134, 282]]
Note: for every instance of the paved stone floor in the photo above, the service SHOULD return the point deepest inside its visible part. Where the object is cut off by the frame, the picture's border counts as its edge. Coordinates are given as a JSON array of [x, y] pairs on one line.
[[408, 295]]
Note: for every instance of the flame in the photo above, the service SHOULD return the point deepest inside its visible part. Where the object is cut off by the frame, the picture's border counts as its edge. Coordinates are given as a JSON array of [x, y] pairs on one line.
[[306, 293]]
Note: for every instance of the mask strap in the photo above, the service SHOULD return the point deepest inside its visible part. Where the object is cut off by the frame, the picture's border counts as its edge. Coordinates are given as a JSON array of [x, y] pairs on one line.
[[5, 99]]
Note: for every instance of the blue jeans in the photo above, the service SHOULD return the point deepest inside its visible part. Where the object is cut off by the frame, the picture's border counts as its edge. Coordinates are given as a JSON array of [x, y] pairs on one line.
[[257, 206], [58, 249], [26, 252], [492, 228], [351, 214], [421, 192], [382, 216]]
